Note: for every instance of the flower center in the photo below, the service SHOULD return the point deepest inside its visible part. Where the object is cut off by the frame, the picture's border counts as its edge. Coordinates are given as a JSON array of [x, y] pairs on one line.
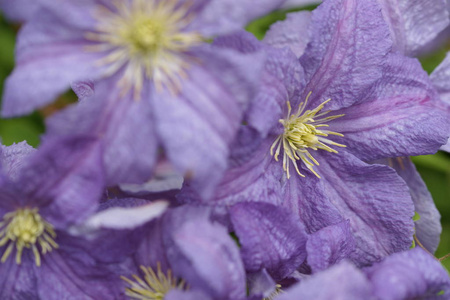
[[302, 134], [148, 39], [24, 228], [154, 286]]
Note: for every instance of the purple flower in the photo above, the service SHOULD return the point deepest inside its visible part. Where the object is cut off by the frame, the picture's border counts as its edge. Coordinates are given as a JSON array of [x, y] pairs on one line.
[[19, 10], [413, 274], [309, 159], [198, 256], [158, 83]]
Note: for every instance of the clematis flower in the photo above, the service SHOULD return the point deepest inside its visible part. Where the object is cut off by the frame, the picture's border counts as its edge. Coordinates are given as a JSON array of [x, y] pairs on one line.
[[44, 195], [158, 83], [413, 274], [357, 101], [184, 255]]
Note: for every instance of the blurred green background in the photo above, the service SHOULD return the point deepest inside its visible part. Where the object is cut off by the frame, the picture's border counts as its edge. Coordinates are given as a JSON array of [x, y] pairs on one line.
[[435, 169]]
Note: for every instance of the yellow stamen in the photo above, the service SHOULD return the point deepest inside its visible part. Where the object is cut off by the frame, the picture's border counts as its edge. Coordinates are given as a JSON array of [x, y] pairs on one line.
[[302, 133], [154, 286], [24, 229], [148, 39]]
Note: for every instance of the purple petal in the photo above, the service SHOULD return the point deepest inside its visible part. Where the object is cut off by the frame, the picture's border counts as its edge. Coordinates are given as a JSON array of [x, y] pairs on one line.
[[441, 80], [13, 157], [205, 256], [18, 10], [373, 198], [213, 21], [260, 284], [48, 58], [298, 3], [413, 274], [346, 53], [399, 118], [64, 178], [294, 32], [271, 238], [175, 294], [18, 281], [428, 227], [115, 120], [329, 246], [415, 23], [197, 126], [340, 282]]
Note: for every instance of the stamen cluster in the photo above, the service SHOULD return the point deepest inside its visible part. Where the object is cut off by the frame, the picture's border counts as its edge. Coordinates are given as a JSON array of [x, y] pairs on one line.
[[25, 228]]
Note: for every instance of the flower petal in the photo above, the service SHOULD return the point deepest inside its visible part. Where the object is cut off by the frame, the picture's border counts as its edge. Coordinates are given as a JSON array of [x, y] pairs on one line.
[[413, 274], [271, 238], [13, 157], [330, 245]]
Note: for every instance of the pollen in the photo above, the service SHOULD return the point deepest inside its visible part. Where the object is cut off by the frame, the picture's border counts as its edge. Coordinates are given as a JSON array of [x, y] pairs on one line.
[[304, 131], [154, 286], [145, 39], [26, 229]]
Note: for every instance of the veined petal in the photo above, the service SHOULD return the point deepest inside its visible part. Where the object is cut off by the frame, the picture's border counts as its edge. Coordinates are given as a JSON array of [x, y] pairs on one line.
[[294, 32], [329, 246], [346, 53], [415, 23], [22, 285], [400, 117], [271, 238], [13, 157], [373, 198]]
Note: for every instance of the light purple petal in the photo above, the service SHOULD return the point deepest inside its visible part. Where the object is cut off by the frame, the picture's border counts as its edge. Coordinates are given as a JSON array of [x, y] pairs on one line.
[[413, 274], [294, 32], [197, 126], [260, 284], [441, 80], [428, 228], [175, 294], [214, 21], [299, 3], [18, 10], [13, 157], [271, 238], [50, 55], [399, 117], [340, 282], [124, 126], [414, 23], [64, 179], [373, 198], [329, 246], [205, 256], [346, 53]]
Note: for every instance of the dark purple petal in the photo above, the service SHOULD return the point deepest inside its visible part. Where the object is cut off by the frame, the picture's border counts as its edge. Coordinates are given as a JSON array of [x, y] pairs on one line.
[[373, 198], [413, 274], [271, 238], [13, 157], [64, 179], [329, 246], [63, 274], [294, 32], [204, 255], [340, 282], [197, 126], [18, 281], [124, 126], [399, 118], [428, 228], [415, 23], [349, 42], [49, 58]]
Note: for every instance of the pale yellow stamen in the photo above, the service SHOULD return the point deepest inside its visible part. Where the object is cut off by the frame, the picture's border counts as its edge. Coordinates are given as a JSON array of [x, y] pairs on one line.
[[302, 134], [154, 286], [25, 228], [278, 291], [148, 40]]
